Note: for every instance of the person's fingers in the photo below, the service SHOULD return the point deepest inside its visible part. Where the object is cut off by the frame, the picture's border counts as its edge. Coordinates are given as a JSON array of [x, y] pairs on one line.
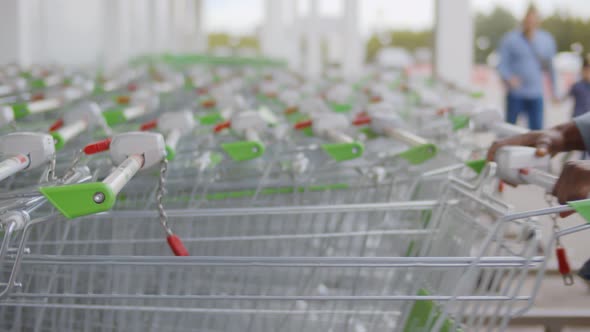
[[566, 214], [542, 150], [492, 152], [543, 146]]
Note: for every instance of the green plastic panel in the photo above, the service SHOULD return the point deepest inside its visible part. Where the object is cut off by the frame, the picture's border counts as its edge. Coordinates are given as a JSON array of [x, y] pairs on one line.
[[582, 207], [211, 119], [76, 200], [307, 131], [459, 122], [477, 94], [369, 133], [424, 314], [243, 150], [476, 165], [265, 191], [170, 153], [344, 151], [114, 116], [341, 108], [38, 84], [59, 140], [20, 110], [419, 154]]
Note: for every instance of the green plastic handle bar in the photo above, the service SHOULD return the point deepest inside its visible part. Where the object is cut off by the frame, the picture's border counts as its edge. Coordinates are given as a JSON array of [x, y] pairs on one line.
[[459, 121], [341, 108], [419, 154], [20, 110], [211, 119], [243, 150], [79, 200], [59, 140], [114, 116], [170, 153], [344, 151], [476, 165], [582, 207]]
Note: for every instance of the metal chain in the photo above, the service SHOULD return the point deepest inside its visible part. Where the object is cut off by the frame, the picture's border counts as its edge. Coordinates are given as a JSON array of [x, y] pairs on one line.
[[52, 165], [161, 191], [73, 165], [551, 201]]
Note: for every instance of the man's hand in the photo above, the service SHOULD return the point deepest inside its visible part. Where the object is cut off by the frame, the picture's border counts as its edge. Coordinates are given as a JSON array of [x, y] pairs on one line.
[[565, 137], [546, 142], [573, 183], [514, 82]]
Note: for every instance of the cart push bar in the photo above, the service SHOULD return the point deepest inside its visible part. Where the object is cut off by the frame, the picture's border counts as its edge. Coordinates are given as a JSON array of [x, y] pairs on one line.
[[248, 125], [132, 152], [331, 126], [174, 125], [390, 125], [77, 122]]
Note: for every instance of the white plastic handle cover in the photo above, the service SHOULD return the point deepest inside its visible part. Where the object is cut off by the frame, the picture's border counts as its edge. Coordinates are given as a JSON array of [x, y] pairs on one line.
[[405, 136], [124, 173], [504, 129], [337, 137], [539, 178], [172, 139], [44, 105], [72, 130], [13, 165]]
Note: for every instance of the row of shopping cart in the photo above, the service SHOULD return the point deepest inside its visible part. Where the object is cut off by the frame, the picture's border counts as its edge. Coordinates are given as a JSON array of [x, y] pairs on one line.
[[183, 194]]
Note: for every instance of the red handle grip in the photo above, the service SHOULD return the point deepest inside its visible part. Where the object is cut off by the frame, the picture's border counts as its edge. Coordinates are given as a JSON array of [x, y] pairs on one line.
[[97, 147], [361, 120], [303, 124], [221, 126], [131, 87], [291, 110], [208, 103], [175, 243], [149, 125], [56, 125], [562, 261], [123, 100]]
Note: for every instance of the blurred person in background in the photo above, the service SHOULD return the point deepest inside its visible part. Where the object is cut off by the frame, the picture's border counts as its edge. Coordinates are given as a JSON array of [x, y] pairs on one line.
[[526, 53], [580, 92], [574, 180]]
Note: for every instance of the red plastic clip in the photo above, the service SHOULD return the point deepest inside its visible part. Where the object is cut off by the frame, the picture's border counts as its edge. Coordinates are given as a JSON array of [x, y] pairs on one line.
[[131, 87], [303, 124], [175, 243], [56, 125], [38, 96], [221, 126], [97, 147], [208, 103], [291, 110], [361, 120], [123, 100], [376, 99], [564, 266], [149, 125]]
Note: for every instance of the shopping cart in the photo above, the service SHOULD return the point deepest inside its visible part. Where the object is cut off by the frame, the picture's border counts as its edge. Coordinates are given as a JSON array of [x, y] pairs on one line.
[[325, 267]]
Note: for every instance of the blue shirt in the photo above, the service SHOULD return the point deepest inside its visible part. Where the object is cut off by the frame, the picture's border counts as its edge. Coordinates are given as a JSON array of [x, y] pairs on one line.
[[527, 60], [581, 94]]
